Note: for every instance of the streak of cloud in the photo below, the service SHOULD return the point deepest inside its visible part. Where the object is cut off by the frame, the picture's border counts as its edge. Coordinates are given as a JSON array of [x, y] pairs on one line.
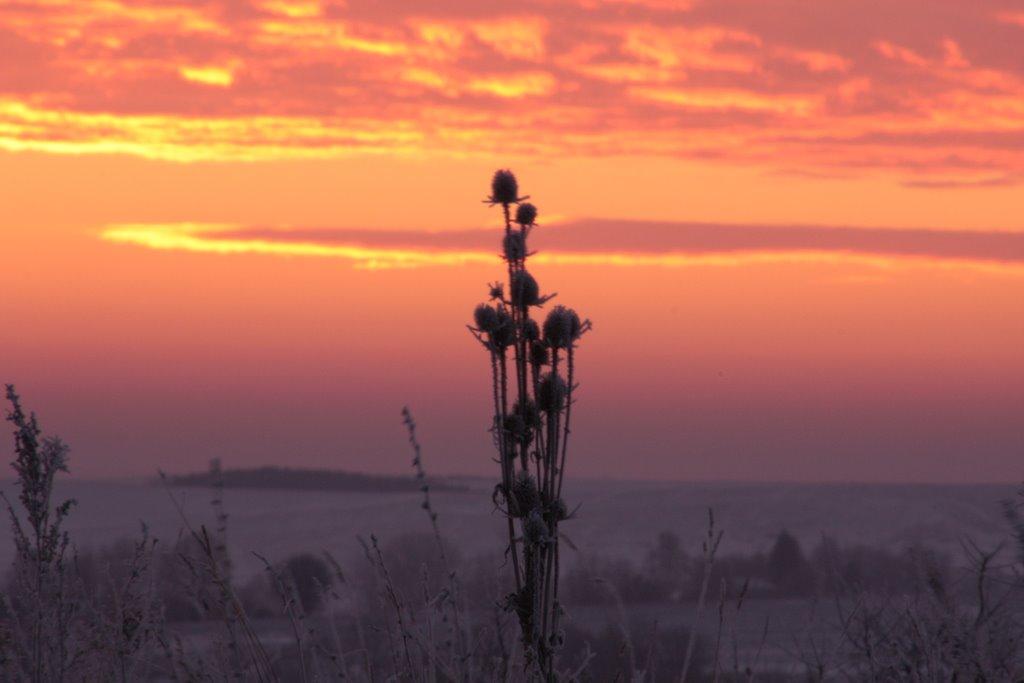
[[599, 242]]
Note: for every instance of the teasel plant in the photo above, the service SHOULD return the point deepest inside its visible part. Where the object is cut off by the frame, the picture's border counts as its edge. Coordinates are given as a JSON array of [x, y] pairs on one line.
[[533, 390]]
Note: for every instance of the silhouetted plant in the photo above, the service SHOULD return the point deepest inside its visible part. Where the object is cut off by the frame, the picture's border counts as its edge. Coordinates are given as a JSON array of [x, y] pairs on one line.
[[40, 639], [532, 374], [57, 623]]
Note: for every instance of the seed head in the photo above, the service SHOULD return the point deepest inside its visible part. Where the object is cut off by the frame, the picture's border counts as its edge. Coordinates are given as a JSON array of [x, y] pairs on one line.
[[486, 318], [497, 290], [551, 393], [528, 413], [525, 290], [526, 214], [562, 327], [559, 510], [524, 490], [531, 332], [538, 354], [535, 531], [515, 426], [504, 333], [504, 188], [515, 246]]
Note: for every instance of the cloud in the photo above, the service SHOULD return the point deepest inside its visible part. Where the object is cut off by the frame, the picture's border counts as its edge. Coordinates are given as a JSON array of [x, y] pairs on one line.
[[174, 138], [955, 183], [769, 85], [514, 38], [1016, 18], [598, 242], [900, 54], [208, 75]]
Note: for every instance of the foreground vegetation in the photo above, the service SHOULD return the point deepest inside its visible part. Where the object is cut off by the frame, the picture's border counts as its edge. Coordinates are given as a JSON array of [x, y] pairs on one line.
[[416, 610]]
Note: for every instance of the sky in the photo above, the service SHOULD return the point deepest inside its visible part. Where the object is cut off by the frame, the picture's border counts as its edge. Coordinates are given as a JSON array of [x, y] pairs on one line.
[[253, 230]]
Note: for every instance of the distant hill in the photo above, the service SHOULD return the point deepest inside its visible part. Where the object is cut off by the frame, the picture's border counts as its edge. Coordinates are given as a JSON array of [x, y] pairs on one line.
[[307, 480]]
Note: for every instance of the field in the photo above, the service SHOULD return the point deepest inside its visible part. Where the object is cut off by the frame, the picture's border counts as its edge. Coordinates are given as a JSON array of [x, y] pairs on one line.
[[615, 518]]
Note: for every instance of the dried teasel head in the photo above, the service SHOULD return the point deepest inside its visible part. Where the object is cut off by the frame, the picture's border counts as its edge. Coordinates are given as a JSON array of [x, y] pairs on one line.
[[526, 214], [486, 318], [504, 333], [535, 531], [515, 426], [525, 493], [522, 423], [504, 188], [551, 393], [531, 331], [497, 290], [538, 354], [525, 290], [562, 327], [559, 511], [528, 412], [514, 246]]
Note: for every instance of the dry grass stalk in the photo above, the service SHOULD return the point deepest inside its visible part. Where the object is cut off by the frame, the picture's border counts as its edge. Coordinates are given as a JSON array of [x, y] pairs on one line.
[[710, 549]]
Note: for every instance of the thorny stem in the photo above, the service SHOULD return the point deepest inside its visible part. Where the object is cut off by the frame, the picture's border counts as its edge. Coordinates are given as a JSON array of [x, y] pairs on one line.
[[568, 413], [520, 315], [506, 470], [503, 363], [545, 641], [552, 425], [499, 432]]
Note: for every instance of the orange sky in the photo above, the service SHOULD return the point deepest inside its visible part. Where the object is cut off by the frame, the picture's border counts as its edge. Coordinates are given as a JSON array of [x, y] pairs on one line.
[[252, 229]]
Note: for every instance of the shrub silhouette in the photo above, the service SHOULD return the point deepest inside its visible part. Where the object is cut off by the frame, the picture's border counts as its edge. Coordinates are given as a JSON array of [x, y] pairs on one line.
[[311, 577], [788, 569], [667, 563]]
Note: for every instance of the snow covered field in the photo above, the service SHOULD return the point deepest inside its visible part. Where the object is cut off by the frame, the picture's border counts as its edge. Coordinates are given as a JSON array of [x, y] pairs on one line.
[[615, 519]]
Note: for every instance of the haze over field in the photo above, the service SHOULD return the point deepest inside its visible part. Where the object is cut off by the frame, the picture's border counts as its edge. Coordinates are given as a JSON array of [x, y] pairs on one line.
[[617, 520], [252, 229]]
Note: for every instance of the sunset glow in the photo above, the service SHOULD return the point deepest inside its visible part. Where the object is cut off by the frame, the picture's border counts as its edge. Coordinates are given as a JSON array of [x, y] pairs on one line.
[[255, 229], [939, 97]]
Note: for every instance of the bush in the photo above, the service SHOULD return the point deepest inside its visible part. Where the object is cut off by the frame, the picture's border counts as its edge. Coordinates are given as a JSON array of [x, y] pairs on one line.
[[788, 569], [311, 576]]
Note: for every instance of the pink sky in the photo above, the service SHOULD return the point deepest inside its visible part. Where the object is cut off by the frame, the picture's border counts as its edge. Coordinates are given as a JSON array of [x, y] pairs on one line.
[[252, 229]]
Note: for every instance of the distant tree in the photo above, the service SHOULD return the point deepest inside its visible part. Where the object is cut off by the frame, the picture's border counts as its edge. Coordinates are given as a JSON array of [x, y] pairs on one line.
[[842, 569], [667, 562], [788, 568]]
